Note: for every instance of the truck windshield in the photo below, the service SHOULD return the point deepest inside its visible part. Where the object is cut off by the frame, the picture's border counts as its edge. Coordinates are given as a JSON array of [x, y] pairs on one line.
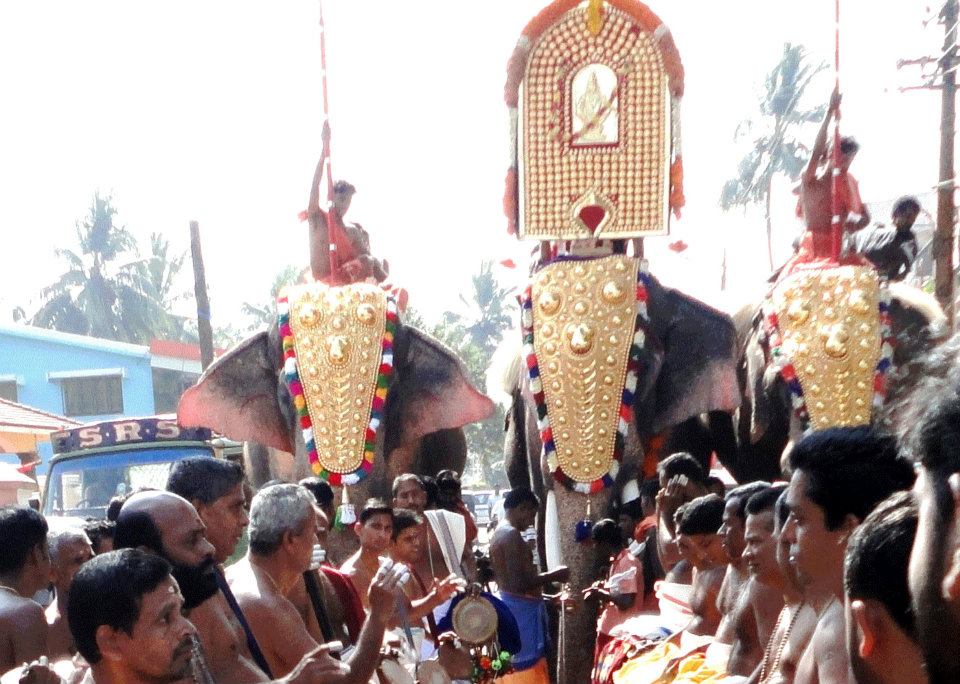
[[83, 486]]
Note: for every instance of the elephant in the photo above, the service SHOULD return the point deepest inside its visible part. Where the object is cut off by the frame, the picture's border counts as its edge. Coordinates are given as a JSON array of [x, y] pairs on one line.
[[751, 441], [689, 357], [243, 395]]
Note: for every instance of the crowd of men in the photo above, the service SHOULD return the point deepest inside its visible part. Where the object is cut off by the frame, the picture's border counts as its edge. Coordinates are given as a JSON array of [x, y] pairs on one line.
[[847, 572]]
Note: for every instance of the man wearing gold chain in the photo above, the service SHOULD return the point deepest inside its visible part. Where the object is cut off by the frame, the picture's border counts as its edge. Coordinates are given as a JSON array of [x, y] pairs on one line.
[[839, 476]]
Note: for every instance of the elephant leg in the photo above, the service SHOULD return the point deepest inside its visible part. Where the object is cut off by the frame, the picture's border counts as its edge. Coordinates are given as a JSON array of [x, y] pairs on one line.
[[577, 634], [256, 463]]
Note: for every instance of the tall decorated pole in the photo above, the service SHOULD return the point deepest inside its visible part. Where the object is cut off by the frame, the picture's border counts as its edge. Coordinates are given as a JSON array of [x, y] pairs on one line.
[[328, 166], [836, 177]]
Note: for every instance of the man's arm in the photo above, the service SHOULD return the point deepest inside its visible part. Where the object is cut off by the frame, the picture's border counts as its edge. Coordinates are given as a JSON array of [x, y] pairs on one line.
[[819, 152], [520, 577], [317, 218], [830, 647], [439, 592]]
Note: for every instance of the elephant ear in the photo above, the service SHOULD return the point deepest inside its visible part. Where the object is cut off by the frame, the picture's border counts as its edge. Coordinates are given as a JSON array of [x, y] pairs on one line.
[[699, 357], [431, 390], [237, 395]]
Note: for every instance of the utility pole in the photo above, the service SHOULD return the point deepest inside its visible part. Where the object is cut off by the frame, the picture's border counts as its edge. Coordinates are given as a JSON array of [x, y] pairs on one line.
[[204, 329], [943, 240]]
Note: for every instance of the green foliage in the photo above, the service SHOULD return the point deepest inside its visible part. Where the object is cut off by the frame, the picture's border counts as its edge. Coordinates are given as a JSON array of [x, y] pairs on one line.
[[774, 146], [107, 290], [473, 334], [264, 313]]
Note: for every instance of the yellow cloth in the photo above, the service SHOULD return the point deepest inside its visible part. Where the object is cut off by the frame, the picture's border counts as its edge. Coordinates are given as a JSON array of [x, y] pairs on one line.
[[538, 674], [694, 670], [648, 667]]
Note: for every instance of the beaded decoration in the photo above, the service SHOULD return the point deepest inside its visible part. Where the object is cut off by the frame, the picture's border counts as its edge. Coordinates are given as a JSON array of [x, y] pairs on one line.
[[376, 408]]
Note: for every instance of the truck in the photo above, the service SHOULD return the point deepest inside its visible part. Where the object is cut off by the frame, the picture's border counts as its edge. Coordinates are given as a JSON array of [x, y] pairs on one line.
[[93, 463]]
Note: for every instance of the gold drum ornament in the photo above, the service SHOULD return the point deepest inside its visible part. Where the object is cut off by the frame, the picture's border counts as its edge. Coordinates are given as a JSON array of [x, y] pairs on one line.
[[590, 360], [333, 330], [829, 322]]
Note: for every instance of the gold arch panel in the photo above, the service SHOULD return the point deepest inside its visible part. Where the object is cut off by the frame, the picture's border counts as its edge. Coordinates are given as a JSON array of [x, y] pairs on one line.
[[595, 132]]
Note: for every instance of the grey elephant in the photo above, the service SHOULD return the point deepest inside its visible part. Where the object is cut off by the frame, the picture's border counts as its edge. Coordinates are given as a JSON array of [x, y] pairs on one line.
[[689, 368], [244, 396], [751, 441]]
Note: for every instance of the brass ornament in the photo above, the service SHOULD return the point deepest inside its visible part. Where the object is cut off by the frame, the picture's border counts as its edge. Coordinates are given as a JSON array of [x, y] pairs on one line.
[[475, 620], [830, 324], [583, 376], [595, 126], [333, 329]]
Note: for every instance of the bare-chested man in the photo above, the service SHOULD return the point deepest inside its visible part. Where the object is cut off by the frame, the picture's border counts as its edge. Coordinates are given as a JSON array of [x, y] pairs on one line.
[[69, 549], [816, 190], [756, 611], [839, 476], [699, 540], [351, 261], [410, 493], [738, 575], [373, 527], [24, 570], [167, 525], [796, 621], [282, 538], [520, 584]]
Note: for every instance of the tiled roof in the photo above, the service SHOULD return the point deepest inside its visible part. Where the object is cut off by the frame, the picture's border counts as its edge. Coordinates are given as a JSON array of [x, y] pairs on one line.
[[13, 415]]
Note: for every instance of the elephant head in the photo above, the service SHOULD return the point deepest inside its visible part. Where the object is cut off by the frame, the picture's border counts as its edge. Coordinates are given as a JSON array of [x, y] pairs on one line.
[[244, 396], [689, 368], [766, 423]]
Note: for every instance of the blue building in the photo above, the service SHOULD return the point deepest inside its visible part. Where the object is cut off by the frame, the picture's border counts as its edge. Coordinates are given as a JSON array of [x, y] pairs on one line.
[[83, 378]]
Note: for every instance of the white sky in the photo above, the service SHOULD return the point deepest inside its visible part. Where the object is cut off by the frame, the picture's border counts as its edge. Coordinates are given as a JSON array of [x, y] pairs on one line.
[[211, 111]]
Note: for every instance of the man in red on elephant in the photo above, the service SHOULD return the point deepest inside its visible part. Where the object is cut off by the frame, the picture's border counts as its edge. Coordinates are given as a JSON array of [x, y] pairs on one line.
[[339, 251], [815, 205]]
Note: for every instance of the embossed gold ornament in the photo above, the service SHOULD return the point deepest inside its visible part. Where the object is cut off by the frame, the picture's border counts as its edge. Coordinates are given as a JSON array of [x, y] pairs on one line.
[[834, 345], [338, 372], [578, 375]]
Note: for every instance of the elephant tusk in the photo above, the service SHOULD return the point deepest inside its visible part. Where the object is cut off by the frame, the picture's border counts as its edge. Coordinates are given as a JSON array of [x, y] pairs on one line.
[[551, 532]]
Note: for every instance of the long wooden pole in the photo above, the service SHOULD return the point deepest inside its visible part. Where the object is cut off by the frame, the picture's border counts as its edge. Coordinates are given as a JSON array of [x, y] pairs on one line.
[[943, 239], [204, 329], [836, 243]]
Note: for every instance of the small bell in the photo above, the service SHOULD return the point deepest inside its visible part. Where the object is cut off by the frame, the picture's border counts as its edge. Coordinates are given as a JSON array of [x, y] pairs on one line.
[[584, 527], [346, 513]]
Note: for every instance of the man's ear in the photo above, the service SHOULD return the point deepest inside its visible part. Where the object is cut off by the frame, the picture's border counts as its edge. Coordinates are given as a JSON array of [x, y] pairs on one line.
[[864, 628], [951, 575], [108, 643], [849, 524], [356, 527]]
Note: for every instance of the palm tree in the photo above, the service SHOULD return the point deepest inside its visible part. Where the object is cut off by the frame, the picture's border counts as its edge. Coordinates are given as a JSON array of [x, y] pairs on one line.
[[775, 149], [263, 314], [105, 291], [160, 272], [488, 310]]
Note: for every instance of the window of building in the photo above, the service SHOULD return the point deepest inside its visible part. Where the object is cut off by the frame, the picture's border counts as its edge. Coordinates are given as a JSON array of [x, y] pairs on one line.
[[168, 386], [8, 390], [92, 396]]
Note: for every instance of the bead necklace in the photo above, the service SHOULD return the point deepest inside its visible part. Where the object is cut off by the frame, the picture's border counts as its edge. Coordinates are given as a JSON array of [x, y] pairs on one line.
[[781, 647]]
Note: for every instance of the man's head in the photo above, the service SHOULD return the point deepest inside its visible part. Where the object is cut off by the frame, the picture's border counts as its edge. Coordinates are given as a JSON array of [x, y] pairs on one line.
[[343, 193], [930, 434], [169, 526], [215, 488], [409, 493], [680, 463], [448, 489], [839, 476], [648, 496], [848, 151], [125, 616], [25, 558], [322, 492], [698, 530], [735, 517], [607, 536], [374, 526], [283, 525], [787, 569], [69, 549], [406, 544], [100, 534], [520, 506], [880, 621], [714, 485], [905, 212], [760, 543], [628, 515]]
